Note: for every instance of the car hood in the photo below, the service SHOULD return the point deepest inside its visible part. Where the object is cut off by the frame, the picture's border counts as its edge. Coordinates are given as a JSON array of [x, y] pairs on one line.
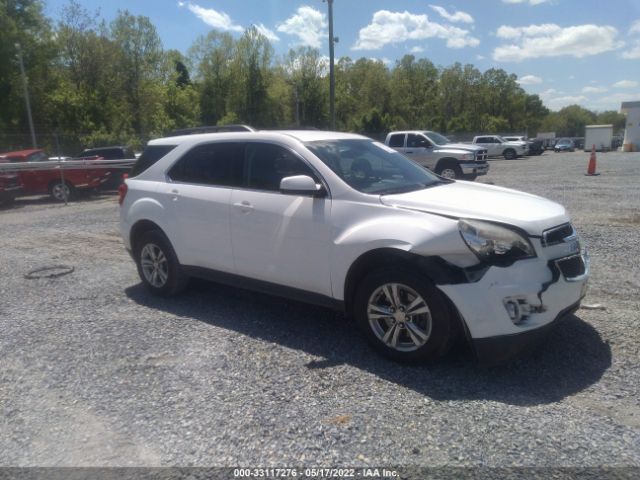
[[459, 146], [483, 202]]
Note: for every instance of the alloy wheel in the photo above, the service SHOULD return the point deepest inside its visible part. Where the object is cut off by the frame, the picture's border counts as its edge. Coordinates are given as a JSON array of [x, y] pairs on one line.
[[155, 266], [60, 191], [399, 317]]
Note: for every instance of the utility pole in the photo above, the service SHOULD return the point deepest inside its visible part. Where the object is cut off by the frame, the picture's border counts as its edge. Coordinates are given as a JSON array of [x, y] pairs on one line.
[[332, 83], [25, 86]]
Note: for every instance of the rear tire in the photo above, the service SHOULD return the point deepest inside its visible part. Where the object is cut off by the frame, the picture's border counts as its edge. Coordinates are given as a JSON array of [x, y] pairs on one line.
[[158, 265], [403, 316], [509, 154]]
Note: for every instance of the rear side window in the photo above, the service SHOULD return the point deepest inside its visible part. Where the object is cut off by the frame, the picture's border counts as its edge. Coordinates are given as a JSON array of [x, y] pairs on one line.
[[211, 164], [397, 140], [151, 155], [268, 164]]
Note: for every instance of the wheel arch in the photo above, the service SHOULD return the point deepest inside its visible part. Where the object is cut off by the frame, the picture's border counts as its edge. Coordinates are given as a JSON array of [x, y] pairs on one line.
[[55, 181], [433, 268], [442, 162], [140, 227]]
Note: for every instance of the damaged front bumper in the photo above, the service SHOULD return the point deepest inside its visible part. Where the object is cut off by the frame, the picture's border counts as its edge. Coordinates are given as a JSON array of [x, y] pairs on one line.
[[510, 308]]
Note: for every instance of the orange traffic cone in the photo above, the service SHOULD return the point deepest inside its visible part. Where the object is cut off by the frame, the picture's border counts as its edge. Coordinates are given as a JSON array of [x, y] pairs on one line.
[[591, 170]]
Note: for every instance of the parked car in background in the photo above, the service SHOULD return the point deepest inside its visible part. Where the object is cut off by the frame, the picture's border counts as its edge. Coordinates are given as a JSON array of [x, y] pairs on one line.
[[10, 184], [343, 221], [111, 153], [36, 182], [534, 146], [499, 147], [564, 145], [438, 154]]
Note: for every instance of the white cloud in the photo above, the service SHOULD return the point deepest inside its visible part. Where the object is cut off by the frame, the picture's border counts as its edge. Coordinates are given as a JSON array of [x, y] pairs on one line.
[[213, 18], [556, 103], [271, 36], [626, 84], [530, 2], [612, 101], [633, 53], [529, 80], [550, 40], [635, 28], [555, 99], [458, 16], [480, 57], [417, 49], [308, 24], [594, 89], [395, 27]]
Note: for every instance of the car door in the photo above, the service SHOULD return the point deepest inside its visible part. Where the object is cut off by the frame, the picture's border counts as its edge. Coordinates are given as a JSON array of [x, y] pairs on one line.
[[277, 237], [198, 194], [420, 150], [36, 181]]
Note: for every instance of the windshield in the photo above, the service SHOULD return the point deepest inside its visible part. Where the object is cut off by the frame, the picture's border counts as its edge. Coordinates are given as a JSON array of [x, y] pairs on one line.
[[437, 138], [371, 167]]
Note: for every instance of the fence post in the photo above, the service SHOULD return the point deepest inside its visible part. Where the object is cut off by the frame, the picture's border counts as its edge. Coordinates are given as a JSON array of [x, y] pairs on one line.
[[64, 190]]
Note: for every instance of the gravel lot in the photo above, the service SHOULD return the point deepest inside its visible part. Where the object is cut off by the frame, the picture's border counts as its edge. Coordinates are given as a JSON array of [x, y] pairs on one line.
[[95, 372]]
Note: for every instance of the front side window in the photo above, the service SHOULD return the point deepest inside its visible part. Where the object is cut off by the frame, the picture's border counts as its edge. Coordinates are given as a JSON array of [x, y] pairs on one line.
[[268, 164], [38, 157], [371, 167], [217, 164], [417, 141]]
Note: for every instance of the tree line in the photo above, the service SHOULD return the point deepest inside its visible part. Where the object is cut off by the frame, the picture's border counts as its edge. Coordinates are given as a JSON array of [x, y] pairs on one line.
[[113, 82]]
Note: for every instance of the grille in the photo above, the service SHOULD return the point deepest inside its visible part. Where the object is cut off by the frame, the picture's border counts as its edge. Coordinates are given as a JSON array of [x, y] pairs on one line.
[[571, 267], [482, 155], [557, 235]]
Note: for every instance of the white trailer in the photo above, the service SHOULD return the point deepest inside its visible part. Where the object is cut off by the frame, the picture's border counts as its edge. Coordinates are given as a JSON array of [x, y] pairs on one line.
[[548, 139], [631, 141], [598, 135]]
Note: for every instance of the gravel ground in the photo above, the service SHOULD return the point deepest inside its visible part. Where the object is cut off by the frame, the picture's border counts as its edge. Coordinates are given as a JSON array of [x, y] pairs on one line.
[[95, 372]]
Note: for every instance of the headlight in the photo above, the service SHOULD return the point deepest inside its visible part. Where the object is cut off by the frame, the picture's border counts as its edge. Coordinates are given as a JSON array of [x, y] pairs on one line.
[[495, 244], [467, 156]]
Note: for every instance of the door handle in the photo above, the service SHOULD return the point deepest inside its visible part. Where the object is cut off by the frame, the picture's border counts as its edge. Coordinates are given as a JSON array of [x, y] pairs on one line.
[[244, 207], [175, 193]]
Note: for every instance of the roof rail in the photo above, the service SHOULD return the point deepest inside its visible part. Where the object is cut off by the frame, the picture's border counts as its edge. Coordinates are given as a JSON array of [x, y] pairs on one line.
[[211, 129]]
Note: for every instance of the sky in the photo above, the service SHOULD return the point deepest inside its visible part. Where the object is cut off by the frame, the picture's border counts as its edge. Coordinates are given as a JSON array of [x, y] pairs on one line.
[[584, 52]]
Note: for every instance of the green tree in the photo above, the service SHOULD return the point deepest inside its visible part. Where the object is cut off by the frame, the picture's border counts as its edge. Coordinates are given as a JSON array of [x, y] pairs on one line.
[[250, 69], [305, 68], [138, 64], [210, 58], [23, 22]]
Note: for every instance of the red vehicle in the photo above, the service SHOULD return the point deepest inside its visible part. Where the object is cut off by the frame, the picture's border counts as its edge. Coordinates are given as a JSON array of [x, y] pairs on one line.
[[36, 182], [10, 185]]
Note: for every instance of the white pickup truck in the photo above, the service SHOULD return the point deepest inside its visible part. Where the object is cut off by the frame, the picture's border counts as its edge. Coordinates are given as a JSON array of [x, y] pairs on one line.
[[437, 153], [499, 147]]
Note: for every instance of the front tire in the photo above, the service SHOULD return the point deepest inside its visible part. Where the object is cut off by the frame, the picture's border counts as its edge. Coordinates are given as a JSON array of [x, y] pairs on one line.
[[449, 170], [158, 264], [509, 154], [403, 315]]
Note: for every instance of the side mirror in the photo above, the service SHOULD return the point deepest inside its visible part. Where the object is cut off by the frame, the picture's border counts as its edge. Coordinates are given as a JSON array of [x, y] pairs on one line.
[[301, 185]]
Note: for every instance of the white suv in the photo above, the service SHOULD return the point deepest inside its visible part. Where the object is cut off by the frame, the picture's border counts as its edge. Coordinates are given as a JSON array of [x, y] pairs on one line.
[[343, 221]]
